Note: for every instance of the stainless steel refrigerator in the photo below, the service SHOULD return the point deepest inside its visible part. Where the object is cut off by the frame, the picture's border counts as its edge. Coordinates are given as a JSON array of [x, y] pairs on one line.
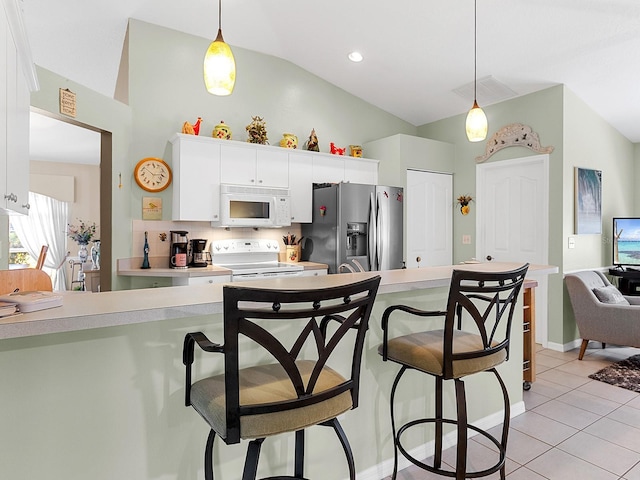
[[355, 223]]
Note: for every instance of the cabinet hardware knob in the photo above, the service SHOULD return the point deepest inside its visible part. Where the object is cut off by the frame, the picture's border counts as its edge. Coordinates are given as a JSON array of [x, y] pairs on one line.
[[26, 205]]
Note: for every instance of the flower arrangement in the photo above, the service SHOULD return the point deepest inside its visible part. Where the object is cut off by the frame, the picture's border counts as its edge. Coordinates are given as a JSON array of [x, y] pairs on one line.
[[463, 201], [83, 233], [323, 210]]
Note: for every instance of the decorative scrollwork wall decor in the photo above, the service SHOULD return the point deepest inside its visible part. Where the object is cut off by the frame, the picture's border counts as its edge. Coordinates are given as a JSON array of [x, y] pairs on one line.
[[514, 135]]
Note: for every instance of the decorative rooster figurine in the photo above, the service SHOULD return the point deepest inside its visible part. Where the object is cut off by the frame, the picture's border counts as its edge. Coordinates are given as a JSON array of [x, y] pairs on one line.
[[192, 129], [337, 150]]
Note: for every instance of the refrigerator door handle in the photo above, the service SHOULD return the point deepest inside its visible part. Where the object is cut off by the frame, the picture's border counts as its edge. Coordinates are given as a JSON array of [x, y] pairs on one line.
[[381, 204], [372, 234]]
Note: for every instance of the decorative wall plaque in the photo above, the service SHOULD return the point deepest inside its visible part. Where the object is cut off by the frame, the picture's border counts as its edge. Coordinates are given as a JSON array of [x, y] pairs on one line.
[[67, 102], [151, 208], [514, 135]]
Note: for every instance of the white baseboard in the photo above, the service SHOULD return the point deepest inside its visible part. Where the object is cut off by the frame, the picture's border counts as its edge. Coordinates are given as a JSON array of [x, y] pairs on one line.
[[384, 469], [559, 347]]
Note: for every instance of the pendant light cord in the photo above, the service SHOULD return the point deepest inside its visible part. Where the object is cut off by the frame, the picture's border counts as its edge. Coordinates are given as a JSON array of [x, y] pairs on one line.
[[220, 14], [475, 50]]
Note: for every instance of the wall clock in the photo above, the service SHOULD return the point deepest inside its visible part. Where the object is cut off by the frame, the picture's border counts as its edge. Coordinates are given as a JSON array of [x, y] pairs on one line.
[[152, 174]]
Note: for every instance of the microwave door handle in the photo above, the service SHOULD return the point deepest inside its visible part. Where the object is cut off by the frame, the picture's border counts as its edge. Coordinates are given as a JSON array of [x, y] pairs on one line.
[[372, 233]]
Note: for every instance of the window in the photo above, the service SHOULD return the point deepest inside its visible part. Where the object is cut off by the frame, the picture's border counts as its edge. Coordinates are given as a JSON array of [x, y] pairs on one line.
[[18, 255]]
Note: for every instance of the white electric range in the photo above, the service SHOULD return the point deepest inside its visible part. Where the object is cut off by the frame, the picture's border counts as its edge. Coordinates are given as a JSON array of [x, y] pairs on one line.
[[251, 259]]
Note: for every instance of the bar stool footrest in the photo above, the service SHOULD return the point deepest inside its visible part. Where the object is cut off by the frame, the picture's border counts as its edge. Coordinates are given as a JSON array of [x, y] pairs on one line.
[[450, 473]]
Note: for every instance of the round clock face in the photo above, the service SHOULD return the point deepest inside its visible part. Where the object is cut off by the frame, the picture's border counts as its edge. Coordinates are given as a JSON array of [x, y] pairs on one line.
[[152, 174]]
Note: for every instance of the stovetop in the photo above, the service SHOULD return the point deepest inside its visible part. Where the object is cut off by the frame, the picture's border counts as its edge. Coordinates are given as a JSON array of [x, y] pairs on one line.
[[248, 256]]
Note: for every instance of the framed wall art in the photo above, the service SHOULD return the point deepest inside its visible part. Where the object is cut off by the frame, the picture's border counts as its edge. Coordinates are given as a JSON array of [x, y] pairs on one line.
[[588, 201]]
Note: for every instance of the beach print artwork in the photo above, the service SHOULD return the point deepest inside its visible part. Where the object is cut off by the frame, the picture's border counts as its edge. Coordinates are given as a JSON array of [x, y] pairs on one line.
[[588, 201]]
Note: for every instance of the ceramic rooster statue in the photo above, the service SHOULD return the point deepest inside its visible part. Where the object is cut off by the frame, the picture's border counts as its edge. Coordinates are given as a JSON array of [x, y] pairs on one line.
[[192, 129], [336, 150]]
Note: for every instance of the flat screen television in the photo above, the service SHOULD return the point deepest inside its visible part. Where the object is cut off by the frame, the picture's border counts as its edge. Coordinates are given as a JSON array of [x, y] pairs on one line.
[[626, 241]]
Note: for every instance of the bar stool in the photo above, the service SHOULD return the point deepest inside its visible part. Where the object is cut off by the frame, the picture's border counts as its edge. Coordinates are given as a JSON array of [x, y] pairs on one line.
[[482, 302], [301, 385]]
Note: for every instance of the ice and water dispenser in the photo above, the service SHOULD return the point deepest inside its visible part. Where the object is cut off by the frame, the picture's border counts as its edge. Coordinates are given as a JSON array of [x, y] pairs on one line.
[[356, 239]]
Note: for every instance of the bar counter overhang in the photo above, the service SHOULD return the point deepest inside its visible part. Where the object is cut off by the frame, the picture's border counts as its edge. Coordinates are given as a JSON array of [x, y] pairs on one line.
[[95, 388]]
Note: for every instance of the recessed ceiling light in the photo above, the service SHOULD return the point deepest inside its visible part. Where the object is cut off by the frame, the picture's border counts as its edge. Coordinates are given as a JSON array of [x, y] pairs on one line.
[[355, 57]]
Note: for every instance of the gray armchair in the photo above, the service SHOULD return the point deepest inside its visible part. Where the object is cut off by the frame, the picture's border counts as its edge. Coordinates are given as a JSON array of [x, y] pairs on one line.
[[602, 313]]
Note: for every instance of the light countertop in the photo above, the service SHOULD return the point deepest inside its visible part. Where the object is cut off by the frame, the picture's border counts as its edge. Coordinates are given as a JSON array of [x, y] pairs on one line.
[[85, 310], [130, 267]]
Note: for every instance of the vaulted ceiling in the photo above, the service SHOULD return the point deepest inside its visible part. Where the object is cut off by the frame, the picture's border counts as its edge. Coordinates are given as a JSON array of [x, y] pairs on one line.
[[416, 52]]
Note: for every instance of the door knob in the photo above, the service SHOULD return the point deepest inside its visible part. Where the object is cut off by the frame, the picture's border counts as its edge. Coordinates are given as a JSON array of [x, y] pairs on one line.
[[489, 257]]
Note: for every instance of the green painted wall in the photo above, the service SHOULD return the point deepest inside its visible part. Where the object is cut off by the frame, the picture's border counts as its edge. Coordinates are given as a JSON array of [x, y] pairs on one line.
[[166, 88], [107, 114], [581, 138]]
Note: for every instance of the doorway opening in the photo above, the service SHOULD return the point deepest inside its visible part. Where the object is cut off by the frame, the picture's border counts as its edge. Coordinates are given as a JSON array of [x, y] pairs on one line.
[[73, 160]]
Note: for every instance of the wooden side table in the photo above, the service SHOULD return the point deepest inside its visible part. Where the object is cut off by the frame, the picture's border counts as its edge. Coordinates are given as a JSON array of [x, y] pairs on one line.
[[529, 334]]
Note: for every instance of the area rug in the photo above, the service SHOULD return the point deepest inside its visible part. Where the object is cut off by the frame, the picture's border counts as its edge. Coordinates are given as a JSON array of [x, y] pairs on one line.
[[624, 374]]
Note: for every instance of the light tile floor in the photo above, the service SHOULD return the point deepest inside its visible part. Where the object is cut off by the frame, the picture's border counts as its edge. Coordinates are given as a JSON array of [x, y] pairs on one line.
[[574, 427]]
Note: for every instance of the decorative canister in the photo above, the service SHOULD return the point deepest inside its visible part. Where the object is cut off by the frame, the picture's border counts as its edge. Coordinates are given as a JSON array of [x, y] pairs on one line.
[[289, 140], [293, 253], [222, 131]]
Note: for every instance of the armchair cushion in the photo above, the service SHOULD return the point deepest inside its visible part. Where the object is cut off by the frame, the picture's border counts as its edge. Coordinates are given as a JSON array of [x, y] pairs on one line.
[[610, 294]]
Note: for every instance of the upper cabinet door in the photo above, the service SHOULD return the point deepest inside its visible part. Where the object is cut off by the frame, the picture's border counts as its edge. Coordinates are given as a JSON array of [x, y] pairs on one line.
[[254, 165], [328, 169], [196, 179], [272, 168], [360, 170], [5, 36]]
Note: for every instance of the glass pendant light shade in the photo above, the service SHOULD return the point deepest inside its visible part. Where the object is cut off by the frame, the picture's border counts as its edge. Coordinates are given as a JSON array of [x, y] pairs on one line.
[[219, 67], [476, 124]]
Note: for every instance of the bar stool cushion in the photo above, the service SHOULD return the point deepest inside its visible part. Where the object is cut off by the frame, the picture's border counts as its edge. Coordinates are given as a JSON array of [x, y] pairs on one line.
[[266, 384], [424, 351]]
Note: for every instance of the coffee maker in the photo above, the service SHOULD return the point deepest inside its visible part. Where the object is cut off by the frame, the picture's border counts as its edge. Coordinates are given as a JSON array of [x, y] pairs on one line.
[[199, 256], [179, 249]]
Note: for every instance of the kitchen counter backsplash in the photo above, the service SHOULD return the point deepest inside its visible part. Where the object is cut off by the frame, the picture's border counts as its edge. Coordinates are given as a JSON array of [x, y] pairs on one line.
[[160, 229]]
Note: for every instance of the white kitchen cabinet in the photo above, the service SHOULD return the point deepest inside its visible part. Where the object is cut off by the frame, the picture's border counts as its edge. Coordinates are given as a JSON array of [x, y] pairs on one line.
[[360, 170], [14, 127], [196, 178], [254, 165], [208, 280], [328, 168], [301, 188]]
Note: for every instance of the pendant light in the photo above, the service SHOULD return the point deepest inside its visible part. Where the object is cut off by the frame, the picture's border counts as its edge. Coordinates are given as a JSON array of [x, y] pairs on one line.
[[219, 64], [476, 124]]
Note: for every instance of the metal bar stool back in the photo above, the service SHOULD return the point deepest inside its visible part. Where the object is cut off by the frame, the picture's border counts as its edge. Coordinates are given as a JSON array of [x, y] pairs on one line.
[[291, 360], [474, 338]]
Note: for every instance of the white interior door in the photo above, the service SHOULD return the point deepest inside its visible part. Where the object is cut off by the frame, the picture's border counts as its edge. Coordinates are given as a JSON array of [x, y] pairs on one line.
[[429, 200], [513, 219]]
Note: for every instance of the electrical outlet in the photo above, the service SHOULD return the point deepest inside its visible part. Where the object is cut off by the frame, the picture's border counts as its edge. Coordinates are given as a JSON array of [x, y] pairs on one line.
[[466, 239], [572, 242]]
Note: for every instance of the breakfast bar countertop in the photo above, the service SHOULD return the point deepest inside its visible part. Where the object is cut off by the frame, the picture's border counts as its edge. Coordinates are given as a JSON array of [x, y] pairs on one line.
[[86, 310]]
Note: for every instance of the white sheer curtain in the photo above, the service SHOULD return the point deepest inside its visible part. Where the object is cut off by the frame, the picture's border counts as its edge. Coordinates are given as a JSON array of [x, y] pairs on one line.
[[46, 224]]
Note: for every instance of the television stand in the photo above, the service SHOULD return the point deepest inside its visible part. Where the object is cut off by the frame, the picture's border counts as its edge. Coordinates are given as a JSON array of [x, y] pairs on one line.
[[628, 279]]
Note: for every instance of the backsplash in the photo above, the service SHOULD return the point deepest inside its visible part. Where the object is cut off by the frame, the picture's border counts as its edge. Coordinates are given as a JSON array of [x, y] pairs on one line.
[[156, 229]]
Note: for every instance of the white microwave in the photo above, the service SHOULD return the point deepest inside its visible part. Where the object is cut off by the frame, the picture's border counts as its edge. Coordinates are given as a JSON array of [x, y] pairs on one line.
[[245, 206]]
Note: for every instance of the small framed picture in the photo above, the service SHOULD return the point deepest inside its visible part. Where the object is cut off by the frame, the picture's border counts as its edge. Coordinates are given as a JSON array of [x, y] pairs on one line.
[[588, 201], [151, 208]]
